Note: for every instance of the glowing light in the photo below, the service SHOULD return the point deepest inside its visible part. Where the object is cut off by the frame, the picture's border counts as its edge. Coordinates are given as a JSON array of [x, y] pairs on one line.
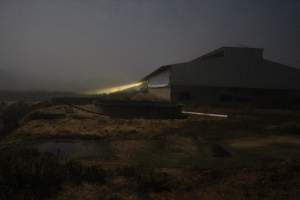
[[116, 89]]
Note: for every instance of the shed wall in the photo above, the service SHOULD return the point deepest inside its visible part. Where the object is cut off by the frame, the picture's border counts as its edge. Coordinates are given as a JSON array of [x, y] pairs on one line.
[[236, 96], [159, 80], [163, 93]]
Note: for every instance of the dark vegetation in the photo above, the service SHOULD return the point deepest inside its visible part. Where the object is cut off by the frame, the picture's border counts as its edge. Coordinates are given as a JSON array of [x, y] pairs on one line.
[[254, 154], [11, 115], [28, 174]]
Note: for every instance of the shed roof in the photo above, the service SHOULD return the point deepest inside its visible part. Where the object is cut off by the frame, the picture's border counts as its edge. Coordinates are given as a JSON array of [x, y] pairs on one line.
[[157, 71]]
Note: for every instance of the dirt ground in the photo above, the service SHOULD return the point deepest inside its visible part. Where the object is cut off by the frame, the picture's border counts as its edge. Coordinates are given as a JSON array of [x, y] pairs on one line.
[[251, 155]]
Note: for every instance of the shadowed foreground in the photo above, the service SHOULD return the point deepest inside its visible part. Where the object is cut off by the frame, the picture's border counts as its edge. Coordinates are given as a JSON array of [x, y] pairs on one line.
[[63, 153]]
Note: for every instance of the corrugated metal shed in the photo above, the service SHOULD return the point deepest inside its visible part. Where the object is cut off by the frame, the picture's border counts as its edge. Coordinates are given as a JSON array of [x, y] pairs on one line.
[[233, 67], [217, 75]]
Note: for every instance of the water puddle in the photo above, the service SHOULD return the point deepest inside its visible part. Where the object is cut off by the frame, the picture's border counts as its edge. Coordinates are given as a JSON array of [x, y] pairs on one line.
[[77, 149]]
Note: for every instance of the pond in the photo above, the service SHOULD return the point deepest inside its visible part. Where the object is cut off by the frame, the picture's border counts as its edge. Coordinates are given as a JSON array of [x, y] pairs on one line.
[[77, 149]]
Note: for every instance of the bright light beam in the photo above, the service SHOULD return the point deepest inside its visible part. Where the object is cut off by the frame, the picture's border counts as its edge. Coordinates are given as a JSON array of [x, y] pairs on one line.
[[115, 89]]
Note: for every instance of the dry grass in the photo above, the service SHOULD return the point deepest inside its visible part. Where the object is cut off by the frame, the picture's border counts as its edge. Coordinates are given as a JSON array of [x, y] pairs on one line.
[[78, 123], [126, 149], [174, 159], [275, 181], [264, 141], [85, 191], [182, 144]]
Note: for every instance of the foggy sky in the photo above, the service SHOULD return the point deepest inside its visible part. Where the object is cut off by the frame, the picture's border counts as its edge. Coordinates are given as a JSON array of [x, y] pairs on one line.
[[84, 44]]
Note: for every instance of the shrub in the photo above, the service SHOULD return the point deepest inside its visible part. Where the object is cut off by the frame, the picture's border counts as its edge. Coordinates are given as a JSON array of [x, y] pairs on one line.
[[28, 172]]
